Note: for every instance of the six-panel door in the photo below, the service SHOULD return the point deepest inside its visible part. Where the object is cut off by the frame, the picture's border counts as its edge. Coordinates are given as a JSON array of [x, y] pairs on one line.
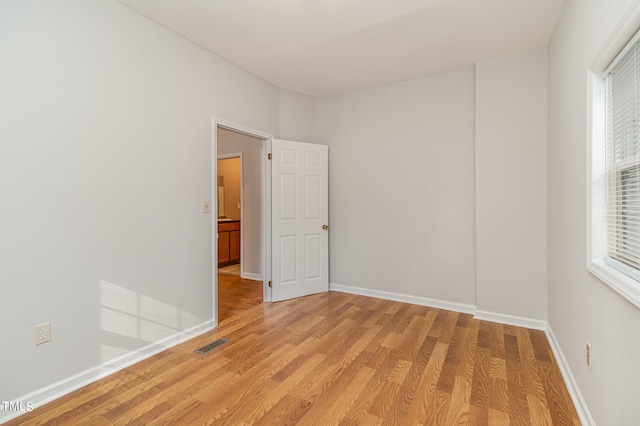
[[300, 237]]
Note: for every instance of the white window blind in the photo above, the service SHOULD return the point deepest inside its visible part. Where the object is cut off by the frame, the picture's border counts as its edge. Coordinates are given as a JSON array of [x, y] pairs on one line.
[[623, 164]]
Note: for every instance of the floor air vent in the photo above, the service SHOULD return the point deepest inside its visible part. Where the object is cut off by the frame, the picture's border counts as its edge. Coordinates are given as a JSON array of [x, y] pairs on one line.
[[211, 346]]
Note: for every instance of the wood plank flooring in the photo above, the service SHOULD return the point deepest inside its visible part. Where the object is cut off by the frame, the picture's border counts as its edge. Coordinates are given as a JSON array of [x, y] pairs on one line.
[[334, 359], [236, 295]]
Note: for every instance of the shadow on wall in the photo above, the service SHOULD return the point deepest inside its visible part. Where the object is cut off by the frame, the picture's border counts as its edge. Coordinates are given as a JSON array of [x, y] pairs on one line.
[[125, 314]]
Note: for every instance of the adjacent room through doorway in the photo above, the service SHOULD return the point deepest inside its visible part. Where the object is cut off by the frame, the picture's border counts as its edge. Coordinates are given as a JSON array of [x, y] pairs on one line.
[[239, 192]]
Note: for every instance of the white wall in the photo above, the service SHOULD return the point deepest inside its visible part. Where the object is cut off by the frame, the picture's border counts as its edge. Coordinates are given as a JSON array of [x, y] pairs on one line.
[[401, 187], [105, 159], [511, 185], [251, 148], [297, 117], [582, 308]]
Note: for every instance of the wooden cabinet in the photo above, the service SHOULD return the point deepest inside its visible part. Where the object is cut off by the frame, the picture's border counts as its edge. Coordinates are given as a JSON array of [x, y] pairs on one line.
[[228, 243]]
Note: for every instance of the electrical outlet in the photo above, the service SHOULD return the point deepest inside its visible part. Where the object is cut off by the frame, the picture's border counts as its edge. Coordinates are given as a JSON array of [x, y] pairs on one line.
[[589, 354], [206, 207], [43, 333]]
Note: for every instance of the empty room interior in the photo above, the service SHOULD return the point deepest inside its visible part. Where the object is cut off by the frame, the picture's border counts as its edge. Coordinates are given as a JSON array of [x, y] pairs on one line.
[[434, 203]]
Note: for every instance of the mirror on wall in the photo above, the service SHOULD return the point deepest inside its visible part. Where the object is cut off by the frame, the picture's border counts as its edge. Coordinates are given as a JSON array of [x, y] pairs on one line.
[[229, 188], [221, 214]]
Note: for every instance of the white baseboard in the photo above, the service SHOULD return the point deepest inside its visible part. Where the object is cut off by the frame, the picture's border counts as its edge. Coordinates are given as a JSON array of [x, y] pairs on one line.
[[569, 380], [250, 276], [70, 384], [511, 320], [399, 297]]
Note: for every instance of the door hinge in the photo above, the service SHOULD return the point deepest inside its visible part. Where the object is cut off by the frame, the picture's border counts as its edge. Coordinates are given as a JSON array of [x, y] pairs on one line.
[[269, 283], [269, 156]]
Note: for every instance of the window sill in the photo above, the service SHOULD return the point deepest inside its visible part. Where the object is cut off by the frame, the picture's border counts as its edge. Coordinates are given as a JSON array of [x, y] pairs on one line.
[[622, 284]]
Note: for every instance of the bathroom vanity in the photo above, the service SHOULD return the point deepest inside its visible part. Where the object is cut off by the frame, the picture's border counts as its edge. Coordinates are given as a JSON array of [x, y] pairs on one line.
[[228, 242]]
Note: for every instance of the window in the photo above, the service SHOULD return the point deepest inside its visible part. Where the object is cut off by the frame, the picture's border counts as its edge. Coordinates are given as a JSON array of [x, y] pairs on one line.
[[622, 165], [614, 187]]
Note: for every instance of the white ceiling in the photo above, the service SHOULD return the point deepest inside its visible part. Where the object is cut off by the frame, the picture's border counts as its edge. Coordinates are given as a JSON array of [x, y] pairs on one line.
[[324, 47]]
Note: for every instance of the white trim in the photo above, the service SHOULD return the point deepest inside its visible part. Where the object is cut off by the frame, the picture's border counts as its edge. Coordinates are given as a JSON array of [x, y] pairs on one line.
[[250, 276], [214, 217], [511, 320], [399, 297], [266, 219], [569, 380], [443, 304], [617, 42], [621, 283], [591, 88], [229, 125], [65, 386], [618, 39]]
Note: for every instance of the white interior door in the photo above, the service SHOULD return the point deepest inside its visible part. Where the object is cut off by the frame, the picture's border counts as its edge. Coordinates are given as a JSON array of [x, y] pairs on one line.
[[300, 213]]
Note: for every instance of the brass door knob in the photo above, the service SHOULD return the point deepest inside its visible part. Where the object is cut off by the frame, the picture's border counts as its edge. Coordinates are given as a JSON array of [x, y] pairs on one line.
[[325, 227]]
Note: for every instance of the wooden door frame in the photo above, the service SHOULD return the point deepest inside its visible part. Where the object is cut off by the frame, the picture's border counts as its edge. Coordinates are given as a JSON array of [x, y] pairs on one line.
[[265, 262]]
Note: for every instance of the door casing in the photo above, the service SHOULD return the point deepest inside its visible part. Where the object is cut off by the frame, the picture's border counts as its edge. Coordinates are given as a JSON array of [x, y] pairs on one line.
[[265, 261]]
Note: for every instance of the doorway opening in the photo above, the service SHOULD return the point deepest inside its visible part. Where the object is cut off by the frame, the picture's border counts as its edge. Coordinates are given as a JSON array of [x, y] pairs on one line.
[[241, 193], [290, 214]]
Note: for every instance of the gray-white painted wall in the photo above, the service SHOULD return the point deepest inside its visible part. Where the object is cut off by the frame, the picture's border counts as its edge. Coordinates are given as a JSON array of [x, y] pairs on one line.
[[438, 186], [401, 187], [581, 307], [105, 159], [298, 117], [511, 185]]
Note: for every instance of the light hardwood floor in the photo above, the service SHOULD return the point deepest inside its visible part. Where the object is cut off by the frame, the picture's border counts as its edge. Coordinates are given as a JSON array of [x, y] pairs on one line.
[[334, 359], [236, 295]]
